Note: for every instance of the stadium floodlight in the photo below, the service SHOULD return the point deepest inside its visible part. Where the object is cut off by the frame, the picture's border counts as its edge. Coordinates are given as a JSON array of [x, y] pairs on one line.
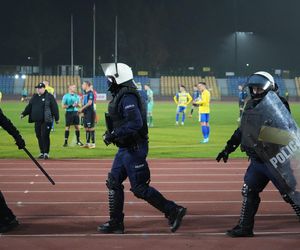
[[23, 76], [17, 76]]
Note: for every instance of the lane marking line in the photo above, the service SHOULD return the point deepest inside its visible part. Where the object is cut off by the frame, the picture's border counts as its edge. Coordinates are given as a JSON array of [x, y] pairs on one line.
[[147, 216], [186, 234], [128, 191], [101, 182], [131, 202]]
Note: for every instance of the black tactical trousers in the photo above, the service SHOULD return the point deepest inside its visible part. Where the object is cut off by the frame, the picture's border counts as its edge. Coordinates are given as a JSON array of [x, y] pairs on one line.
[[42, 132]]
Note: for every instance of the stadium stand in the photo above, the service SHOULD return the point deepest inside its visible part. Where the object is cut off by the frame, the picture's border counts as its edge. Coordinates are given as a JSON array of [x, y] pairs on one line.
[[169, 84], [59, 83], [7, 84], [281, 85], [297, 82], [233, 82], [100, 82]]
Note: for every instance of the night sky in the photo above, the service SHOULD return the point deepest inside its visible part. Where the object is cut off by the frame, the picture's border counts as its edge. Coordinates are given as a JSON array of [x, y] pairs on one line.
[[155, 35]]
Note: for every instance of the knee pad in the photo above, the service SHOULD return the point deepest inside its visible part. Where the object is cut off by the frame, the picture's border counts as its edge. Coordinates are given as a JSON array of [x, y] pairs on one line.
[[140, 191], [113, 184]]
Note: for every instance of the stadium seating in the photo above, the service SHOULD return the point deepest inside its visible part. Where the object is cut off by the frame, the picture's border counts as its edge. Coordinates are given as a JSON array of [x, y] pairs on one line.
[[281, 85], [7, 84], [59, 83], [297, 81], [234, 81], [100, 82], [169, 84]]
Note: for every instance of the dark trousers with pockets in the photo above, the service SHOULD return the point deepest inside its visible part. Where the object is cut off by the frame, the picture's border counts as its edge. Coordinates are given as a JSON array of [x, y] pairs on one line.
[[258, 176], [131, 162], [42, 132]]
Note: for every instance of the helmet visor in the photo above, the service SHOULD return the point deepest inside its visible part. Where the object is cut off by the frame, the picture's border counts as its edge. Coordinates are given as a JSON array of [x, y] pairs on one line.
[[259, 82]]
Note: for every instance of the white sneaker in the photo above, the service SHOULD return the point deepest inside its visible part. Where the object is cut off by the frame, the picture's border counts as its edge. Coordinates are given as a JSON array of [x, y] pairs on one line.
[[176, 123], [87, 145], [182, 123], [92, 145]]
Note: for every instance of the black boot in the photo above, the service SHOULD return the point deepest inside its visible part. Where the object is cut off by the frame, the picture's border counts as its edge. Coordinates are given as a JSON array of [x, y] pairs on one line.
[[175, 218], [172, 211], [8, 225], [296, 209], [250, 205], [116, 200], [112, 227], [8, 220]]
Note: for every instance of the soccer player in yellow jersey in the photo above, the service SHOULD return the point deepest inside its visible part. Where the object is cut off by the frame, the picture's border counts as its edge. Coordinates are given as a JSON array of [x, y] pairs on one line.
[[182, 99], [48, 87], [204, 110]]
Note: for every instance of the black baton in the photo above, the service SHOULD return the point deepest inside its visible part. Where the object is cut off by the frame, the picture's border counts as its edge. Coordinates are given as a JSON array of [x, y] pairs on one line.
[[39, 166]]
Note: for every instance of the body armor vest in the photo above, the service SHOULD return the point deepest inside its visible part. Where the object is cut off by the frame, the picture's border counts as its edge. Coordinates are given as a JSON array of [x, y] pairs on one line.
[[117, 120]]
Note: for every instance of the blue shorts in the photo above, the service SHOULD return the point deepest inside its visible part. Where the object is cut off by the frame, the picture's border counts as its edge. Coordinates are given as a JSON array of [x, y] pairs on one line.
[[181, 109], [204, 117]]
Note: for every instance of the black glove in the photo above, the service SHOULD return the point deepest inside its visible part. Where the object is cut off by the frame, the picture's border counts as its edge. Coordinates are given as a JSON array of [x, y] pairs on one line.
[[109, 138], [223, 155], [20, 142]]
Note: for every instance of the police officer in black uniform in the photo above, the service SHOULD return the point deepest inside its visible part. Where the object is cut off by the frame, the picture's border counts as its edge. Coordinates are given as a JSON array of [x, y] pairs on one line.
[[8, 220], [258, 174], [127, 129]]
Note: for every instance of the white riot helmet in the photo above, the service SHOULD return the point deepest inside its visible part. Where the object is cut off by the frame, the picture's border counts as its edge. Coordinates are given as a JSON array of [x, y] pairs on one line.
[[119, 72], [263, 80]]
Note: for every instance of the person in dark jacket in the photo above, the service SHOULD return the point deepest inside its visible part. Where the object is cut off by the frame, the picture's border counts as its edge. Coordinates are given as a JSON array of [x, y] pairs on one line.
[[127, 129], [42, 109], [258, 173], [8, 220]]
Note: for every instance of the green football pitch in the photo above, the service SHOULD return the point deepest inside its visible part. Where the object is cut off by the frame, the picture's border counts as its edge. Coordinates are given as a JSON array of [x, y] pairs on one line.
[[166, 139]]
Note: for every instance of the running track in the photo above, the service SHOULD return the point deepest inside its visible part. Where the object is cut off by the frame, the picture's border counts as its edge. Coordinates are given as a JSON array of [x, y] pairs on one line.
[[65, 216]]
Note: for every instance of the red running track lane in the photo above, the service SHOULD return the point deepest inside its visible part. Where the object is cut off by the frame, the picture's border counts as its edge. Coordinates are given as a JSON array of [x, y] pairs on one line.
[[65, 216]]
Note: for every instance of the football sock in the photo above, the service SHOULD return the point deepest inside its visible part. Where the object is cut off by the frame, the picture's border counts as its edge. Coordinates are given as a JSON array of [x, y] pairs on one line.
[[183, 117], [88, 136], [77, 133], [67, 132], [207, 131], [92, 136], [204, 131]]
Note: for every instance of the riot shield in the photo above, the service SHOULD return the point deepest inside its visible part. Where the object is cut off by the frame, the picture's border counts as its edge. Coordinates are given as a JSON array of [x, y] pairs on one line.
[[271, 131]]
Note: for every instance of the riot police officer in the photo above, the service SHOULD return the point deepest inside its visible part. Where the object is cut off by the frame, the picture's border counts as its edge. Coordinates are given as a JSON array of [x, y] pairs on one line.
[[127, 129], [261, 85], [8, 220]]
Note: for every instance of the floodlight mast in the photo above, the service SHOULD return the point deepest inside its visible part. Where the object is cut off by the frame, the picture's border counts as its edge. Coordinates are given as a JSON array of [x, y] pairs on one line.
[[116, 46]]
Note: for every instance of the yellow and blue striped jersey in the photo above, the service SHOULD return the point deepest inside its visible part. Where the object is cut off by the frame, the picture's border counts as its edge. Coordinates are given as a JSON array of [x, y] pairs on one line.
[[182, 99], [204, 103]]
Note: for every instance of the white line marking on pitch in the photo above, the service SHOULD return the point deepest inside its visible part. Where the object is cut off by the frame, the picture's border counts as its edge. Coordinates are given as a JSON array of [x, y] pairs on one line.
[[143, 234], [131, 202]]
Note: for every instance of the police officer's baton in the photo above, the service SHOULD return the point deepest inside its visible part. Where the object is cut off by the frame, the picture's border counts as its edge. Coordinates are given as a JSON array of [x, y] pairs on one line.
[[39, 166]]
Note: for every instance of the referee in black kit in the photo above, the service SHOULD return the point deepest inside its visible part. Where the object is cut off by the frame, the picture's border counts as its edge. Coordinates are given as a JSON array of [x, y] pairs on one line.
[[42, 109]]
